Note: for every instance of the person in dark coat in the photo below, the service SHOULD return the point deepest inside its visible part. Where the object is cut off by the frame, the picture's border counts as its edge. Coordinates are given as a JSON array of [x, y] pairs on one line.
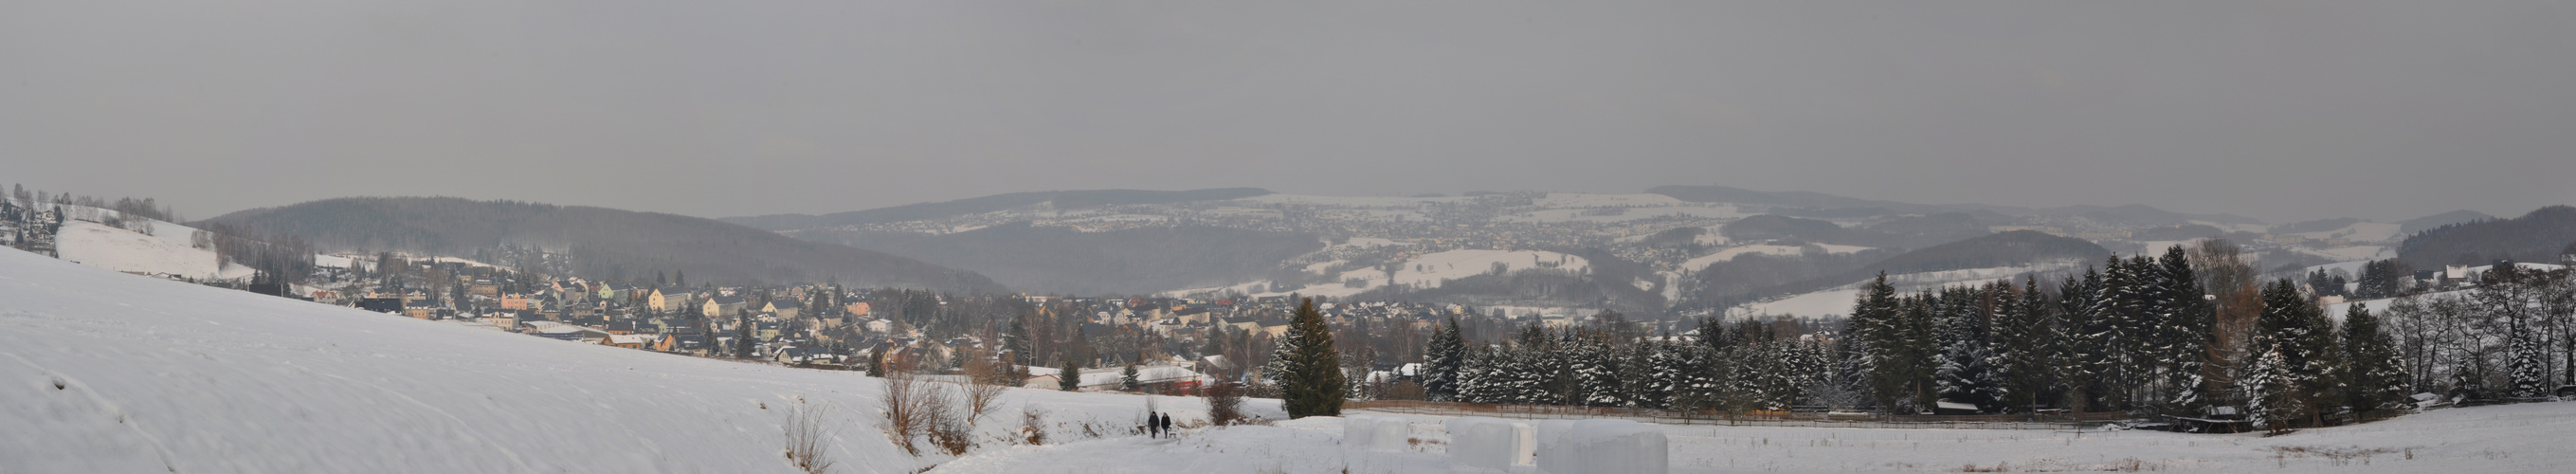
[[1167, 424]]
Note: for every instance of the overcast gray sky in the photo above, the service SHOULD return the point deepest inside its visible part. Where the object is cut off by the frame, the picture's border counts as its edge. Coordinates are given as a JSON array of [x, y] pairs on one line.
[[2277, 110]]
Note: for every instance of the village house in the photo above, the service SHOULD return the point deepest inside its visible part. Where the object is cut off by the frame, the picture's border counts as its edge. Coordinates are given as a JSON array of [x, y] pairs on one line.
[[722, 306], [785, 308], [667, 299], [630, 341]]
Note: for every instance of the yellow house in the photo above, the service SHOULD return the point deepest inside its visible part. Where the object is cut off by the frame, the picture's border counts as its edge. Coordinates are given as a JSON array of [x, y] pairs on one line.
[[784, 308], [667, 299]]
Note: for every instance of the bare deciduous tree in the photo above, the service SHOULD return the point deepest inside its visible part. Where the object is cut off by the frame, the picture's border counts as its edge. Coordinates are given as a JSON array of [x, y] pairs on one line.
[[2230, 283], [986, 380]]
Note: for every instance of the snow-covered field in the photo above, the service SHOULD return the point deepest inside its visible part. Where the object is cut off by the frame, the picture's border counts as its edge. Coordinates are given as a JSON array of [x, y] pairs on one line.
[[1805, 304], [167, 251], [2504, 439], [1703, 261], [107, 372], [1424, 271]]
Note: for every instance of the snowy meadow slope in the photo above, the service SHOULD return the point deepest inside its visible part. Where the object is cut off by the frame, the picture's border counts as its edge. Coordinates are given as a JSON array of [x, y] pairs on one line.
[[108, 372]]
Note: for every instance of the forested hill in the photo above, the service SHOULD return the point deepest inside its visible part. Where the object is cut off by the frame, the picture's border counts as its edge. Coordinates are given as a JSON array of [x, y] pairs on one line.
[[1754, 276], [2540, 236], [934, 210], [601, 242], [1828, 205]]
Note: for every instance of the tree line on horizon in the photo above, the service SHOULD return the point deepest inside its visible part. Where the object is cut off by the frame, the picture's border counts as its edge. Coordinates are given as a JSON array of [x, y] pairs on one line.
[[2175, 334]]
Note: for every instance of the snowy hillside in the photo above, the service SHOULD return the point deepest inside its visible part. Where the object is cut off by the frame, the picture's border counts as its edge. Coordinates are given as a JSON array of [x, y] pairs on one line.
[[2357, 232], [168, 250], [107, 372], [1422, 271]]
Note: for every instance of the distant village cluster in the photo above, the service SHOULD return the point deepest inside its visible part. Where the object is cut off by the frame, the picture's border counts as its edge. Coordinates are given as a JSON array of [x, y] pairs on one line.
[[1176, 343]]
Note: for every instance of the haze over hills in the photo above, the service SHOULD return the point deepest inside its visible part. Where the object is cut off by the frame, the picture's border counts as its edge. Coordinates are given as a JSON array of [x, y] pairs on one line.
[[1673, 248], [1676, 250], [2131, 214], [599, 242], [934, 210]]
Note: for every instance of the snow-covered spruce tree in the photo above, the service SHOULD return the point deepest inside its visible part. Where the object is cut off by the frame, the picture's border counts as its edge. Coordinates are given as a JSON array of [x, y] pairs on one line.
[[1811, 367], [1314, 383], [1596, 372], [2130, 288], [2528, 376], [1069, 377], [2512, 295], [1441, 360], [2185, 327], [1665, 375], [1636, 377], [1469, 386], [2270, 397], [1966, 374], [2379, 378], [2304, 337], [1853, 370], [1756, 366], [1127, 380], [1530, 376], [1490, 379], [2087, 362], [1875, 324], [1282, 360], [1921, 347], [2027, 339]]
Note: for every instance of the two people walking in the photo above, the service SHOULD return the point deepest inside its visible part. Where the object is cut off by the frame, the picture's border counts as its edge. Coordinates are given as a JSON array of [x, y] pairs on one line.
[[1158, 425]]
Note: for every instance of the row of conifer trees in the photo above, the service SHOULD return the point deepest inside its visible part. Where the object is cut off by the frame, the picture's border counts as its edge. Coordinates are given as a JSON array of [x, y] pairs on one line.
[[2142, 334]]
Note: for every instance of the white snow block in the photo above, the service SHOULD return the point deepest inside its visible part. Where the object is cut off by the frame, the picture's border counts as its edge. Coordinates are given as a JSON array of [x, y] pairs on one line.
[[1490, 443], [1357, 430], [1620, 447], [1555, 452], [1391, 434]]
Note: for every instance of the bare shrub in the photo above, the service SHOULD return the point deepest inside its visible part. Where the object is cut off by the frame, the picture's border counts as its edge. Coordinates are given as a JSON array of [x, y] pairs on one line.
[[806, 433], [950, 432], [1033, 425], [1225, 404], [910, 404], [986, 381]]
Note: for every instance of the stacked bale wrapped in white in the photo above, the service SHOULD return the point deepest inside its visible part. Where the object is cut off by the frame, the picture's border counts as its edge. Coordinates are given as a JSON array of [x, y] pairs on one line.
[[1601, 447], [1357, 430], [1490, 443], [1556, 447], [1620, 447], [1392, 434]]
